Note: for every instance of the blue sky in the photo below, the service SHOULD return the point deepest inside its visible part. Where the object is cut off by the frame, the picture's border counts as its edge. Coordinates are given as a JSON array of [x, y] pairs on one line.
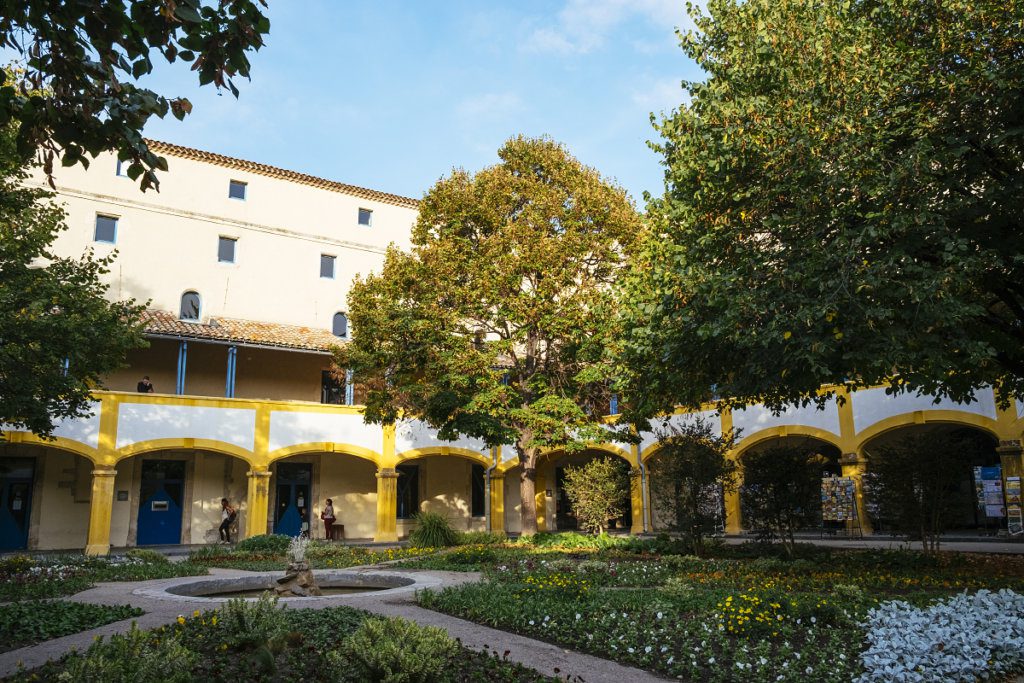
[[393, 95]]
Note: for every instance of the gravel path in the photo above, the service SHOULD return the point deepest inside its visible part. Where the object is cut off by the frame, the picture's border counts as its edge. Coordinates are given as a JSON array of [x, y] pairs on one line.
[[543, 657]]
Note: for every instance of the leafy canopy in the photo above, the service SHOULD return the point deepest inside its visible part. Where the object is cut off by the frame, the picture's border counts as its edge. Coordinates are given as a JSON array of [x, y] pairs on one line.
[[59, 336], [598, 491], [494, 325], [77, 95], [842, 206]]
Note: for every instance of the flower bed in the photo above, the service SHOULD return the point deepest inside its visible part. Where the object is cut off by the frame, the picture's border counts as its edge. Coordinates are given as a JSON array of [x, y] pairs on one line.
[[714, 619], [26, 578], [259, 641], [321, 555], [26, 623]]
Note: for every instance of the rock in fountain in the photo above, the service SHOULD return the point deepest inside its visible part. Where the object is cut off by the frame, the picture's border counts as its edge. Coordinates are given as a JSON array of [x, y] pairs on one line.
[[298, 580]]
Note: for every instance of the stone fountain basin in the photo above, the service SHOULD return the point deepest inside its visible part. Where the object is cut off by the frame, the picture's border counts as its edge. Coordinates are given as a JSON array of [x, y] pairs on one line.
[[202, 588]]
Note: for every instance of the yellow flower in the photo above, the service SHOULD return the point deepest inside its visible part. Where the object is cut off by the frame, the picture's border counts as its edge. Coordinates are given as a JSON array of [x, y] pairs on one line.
[[196, 613], [181, 620]]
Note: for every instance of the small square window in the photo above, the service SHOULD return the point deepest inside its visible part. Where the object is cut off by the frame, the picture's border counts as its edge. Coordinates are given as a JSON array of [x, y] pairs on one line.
[[365, 216], [327, 266], [226, 249], [236, 189], [106, 229]]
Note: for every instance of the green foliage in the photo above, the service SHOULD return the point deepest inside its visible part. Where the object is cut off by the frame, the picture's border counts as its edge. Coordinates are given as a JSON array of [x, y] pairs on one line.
[[253, 624], [495, 325], [433, 530], [687, 478], [78, 94], [132, 657], [781, 490], [916, 481], [264, 543], [24, 623], [53, 313], [481, 538], [842, 206], [146, 555], [598, 492], [394, 651]]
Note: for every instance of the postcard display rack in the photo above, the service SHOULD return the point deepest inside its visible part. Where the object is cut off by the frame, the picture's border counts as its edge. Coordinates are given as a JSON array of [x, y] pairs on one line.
[[839, 507], [998, 503]]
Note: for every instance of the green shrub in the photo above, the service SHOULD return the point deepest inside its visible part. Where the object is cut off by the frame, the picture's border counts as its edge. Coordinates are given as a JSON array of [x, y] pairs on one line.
[[132, 657], [265, 543], [432, 531], [22, 623], [146, 555], [253, 624], [394, 651], [480, 538]]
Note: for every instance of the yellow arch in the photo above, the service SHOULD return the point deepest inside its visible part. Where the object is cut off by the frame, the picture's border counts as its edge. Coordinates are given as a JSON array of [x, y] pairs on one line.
[[920, 417], [180, 443], [414, 453], [607, 448], [781, 432], [59, 442], [325, 447]]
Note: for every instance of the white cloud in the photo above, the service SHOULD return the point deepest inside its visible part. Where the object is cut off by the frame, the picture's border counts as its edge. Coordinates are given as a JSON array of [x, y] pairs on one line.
[[488, 105], [660, 96], [583, 25]]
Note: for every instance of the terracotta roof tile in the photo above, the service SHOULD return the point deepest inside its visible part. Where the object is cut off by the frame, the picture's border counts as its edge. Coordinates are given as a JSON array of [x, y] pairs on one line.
[[165, 323], [158, 147]]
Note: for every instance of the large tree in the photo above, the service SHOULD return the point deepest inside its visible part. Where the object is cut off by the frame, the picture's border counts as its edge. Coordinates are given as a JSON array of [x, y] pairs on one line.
[[843, 206], [78, 95], [495, 324], [59, 335]]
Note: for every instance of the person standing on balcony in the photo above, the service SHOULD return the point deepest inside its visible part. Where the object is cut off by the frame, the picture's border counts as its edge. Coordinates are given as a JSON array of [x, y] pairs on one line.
[[328, 516], [145, 386]]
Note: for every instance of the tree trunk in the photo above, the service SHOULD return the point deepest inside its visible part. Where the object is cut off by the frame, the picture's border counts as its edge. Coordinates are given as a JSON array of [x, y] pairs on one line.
[[528, 489]]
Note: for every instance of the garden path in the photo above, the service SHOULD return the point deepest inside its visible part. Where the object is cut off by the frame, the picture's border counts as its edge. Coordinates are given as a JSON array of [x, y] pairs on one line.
[[543, 657]]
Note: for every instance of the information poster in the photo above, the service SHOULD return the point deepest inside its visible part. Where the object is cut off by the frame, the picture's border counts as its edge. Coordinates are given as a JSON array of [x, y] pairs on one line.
[[988, 490], [838, 499], [1014, 523]]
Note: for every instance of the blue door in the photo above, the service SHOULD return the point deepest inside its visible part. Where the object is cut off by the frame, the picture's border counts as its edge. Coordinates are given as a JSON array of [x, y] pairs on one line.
[[16, 477], [160, 498], [291, 516]]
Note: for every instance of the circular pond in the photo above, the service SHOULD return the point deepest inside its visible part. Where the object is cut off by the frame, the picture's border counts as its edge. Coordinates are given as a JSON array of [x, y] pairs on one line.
[[334, 584]]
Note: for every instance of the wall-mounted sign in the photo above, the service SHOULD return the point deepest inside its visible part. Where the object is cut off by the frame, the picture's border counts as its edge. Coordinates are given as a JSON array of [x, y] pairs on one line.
[[122, 495]]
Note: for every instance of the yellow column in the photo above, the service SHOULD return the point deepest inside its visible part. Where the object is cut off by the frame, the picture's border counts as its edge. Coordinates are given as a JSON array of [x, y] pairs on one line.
[[100, 507], [854, 468], [636, 501], [387, 506], [257, 502], [733, 515], [497, 503], [540, 496]]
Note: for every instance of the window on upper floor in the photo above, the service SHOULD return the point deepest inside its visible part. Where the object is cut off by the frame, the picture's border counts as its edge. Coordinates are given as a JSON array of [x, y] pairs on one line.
[[226, 249], [190, 306], [236, 189], [365, 217], [106, 229], [121, 169], [327, 266], [340, 325]]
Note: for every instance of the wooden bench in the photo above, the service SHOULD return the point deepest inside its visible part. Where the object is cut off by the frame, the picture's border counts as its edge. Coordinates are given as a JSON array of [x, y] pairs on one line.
[[337, 532]]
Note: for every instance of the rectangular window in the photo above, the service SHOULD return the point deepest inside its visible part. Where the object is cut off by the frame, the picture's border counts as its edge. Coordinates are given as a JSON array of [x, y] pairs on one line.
[[236, 190], [122, 169], [226, 249], [331, 388], [106, 229], [408, 490], [327, 266], [478, 491], [365, 216]]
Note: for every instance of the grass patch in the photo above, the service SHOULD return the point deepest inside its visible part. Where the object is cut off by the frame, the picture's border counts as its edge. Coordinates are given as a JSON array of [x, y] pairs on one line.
[[27, 623], [321, 555]]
